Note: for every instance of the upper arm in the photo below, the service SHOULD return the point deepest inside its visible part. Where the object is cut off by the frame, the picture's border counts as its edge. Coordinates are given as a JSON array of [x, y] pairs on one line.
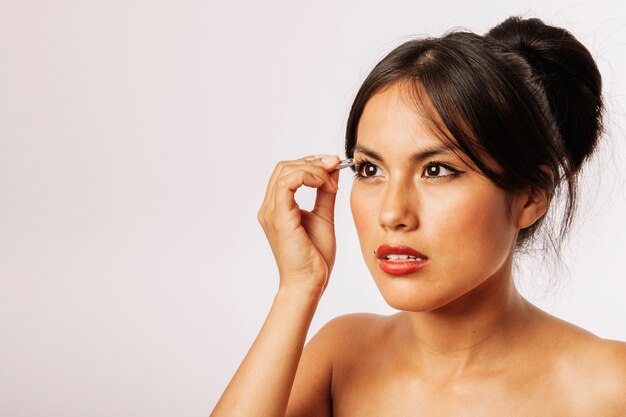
[[311, 392]]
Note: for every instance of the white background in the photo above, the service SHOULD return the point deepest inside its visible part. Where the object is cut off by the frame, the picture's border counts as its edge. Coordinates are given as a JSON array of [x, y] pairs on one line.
[[136, 141]]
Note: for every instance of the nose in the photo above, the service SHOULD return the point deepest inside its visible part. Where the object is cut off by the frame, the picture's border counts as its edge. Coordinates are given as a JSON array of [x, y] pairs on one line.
[[399, 208]]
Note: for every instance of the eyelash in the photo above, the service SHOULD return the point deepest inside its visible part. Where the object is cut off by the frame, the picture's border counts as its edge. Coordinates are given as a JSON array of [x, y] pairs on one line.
[[360, 163]]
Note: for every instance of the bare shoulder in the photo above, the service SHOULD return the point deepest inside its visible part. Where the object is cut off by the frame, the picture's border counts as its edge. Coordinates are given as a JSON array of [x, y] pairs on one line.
[[605, 365], [311, 391], [592, 370]]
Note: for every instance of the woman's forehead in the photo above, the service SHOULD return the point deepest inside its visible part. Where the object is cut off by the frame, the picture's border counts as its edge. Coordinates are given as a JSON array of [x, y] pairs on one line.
[[390, 118]]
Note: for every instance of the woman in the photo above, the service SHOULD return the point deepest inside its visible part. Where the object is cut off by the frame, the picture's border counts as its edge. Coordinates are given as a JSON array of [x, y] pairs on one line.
[[459, 144]]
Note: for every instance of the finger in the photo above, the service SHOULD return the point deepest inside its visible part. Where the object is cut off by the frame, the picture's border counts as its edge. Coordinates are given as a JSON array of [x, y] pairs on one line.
[[269, 191], [315, 165], [325, 201], [287, 185], [314, 168], [325, 205], [327, 163], [277, 171], [330, 162]]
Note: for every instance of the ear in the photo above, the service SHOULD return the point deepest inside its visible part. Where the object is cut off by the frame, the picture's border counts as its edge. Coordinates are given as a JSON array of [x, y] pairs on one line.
[[531, 203]]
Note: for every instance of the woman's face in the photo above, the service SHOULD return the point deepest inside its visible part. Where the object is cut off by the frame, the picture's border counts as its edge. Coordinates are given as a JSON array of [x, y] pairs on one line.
[[434, 203]]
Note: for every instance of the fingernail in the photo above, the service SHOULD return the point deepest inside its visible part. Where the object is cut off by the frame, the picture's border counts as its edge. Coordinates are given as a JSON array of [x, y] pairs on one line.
[[329, 159]]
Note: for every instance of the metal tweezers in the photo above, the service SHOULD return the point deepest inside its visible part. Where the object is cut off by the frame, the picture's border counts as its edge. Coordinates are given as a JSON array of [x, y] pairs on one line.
[[345, 163]]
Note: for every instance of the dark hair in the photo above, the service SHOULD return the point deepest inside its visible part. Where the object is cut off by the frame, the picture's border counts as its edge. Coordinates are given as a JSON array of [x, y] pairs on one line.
[[527, 94]]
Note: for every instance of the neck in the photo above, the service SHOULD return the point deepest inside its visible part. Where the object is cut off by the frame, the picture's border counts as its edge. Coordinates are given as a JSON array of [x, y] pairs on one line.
[[473, 331]]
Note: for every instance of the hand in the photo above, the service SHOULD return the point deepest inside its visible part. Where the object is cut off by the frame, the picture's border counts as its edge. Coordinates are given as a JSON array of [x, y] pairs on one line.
[[303, 242]]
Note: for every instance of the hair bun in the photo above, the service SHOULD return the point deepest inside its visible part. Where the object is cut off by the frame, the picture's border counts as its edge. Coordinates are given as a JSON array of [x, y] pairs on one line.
[[569, 76]]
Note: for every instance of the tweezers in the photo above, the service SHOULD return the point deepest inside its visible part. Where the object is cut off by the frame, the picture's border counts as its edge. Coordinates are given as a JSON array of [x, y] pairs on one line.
[[345, 163]]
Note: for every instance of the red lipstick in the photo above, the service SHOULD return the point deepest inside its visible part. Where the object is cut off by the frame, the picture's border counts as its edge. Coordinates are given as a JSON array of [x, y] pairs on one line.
[[399, 259]]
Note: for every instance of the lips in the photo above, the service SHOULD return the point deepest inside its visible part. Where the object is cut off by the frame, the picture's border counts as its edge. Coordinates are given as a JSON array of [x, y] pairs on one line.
[[399, 259]]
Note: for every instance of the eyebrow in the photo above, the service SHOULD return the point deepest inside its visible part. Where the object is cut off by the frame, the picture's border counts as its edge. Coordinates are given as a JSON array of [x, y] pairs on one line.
[[416, 157]]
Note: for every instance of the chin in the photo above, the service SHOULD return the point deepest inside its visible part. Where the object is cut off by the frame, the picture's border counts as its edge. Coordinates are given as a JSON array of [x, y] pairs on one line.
[[428, 294], [405, 297], [409, 305]]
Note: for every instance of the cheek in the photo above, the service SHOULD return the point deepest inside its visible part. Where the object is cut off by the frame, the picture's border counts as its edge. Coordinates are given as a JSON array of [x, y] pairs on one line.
[[358, 206], [479, 224], [364, 213]]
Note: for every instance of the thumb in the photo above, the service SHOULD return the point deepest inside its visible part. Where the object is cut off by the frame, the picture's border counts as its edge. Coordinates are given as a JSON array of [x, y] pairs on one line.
[[325, 205]]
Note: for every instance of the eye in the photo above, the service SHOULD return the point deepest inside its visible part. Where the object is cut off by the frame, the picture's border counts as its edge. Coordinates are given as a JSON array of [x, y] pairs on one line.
[[365, 170], [436, 169]]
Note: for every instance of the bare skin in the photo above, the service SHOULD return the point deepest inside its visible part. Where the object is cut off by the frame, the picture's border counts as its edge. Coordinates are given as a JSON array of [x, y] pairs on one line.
[[566, 372], [464, 341]]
